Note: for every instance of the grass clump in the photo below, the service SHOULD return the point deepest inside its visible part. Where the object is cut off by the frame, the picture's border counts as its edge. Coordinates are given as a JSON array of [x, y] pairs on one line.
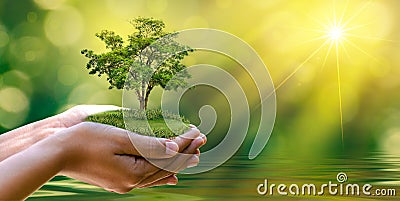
[[137, 122]]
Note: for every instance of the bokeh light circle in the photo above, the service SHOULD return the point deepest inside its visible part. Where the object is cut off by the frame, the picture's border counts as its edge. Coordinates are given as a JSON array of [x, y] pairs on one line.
[[49, 4], [4, 38], [64, 26], [13, 100], [14, 106]]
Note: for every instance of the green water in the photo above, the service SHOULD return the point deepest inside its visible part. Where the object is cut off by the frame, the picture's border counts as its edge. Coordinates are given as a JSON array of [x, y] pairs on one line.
[[238, 179]]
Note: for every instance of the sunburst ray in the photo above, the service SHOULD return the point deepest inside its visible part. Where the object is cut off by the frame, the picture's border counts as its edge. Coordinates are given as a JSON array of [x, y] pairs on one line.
[[336, 33]]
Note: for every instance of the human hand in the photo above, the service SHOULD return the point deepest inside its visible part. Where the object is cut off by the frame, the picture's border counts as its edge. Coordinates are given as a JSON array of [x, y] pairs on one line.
[[38, 147], [98, 154], [104, 156], [23, 137], [189, 144]]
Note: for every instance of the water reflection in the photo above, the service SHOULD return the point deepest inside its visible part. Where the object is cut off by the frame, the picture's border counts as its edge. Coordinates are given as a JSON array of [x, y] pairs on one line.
[[238, 178]]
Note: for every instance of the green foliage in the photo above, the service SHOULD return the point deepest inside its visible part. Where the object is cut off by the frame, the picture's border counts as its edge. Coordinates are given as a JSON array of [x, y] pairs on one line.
[[138, 122], [114, 118], [138, 63], [153, 114]]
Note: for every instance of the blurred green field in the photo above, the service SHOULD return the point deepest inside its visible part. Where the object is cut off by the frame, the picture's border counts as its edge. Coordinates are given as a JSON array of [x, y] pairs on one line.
[[43, 73]]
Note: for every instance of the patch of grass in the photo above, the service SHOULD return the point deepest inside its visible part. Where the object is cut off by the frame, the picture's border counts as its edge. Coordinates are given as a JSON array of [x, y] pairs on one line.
[[137, 122]]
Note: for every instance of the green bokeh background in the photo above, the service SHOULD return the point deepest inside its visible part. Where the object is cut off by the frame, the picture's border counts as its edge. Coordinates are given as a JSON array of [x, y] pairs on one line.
[[42, 71]]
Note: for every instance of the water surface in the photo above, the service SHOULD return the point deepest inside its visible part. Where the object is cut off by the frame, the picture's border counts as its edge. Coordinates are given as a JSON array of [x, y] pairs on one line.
[[239, 177]]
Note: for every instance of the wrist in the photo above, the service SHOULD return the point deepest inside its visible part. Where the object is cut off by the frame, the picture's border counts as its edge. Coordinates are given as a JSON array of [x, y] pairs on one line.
[[55, 149], [62, 147], [69, 143]]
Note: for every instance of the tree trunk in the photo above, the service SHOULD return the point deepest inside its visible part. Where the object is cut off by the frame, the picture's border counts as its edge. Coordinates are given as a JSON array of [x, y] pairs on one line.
[[142, 104], [146, 98], [141, 100]]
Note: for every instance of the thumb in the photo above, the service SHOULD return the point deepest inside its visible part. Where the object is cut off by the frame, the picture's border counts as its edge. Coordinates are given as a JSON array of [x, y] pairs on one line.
[[152, 147], [128, 143]]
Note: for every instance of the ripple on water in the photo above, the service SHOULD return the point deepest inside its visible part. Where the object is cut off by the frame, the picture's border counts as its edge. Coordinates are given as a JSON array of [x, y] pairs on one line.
[[238, 178]]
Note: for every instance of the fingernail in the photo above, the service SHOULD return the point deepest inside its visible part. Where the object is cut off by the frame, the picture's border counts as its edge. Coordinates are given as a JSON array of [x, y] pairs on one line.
[[204, 138], [193, 161], [171, 148], [192, 126], [200, 139]]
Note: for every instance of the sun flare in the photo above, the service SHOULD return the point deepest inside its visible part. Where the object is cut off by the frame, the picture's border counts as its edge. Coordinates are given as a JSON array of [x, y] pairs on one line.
[[335, 33]]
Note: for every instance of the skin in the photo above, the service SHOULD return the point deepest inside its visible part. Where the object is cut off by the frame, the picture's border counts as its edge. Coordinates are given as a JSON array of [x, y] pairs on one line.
[[94, 153]]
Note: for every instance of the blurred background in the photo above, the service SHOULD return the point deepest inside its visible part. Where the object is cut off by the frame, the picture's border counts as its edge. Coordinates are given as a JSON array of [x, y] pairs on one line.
[[42, 71]]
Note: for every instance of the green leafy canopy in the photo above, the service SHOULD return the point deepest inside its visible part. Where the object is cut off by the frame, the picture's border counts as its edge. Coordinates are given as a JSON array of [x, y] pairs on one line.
[[150, 57]]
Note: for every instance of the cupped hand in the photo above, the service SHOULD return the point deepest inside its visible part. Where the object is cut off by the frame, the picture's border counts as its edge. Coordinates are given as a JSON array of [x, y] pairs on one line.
[[189, 144], [104, 156]]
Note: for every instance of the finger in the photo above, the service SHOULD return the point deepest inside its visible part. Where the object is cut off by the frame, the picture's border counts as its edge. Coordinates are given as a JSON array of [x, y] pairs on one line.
[[132, 169], [196, 144], [171, 180], [192, 150], [161, 174], [138, 168], [204, 138], [145, 146], [128, 143], [185, 139], [78, 113], [157, 148], [151, 147], [189, 158], [180, 162]]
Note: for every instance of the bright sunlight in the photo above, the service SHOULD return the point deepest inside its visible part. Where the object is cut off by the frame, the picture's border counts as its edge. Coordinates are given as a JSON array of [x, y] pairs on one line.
[[335, 33], [335, 36]]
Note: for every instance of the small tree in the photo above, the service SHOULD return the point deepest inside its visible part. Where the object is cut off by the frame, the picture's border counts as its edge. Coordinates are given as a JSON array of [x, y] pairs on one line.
[[138, 61]]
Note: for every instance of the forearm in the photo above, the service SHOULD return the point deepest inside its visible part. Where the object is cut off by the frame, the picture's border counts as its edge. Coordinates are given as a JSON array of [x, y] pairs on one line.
[[21, 138], [26, 171]]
